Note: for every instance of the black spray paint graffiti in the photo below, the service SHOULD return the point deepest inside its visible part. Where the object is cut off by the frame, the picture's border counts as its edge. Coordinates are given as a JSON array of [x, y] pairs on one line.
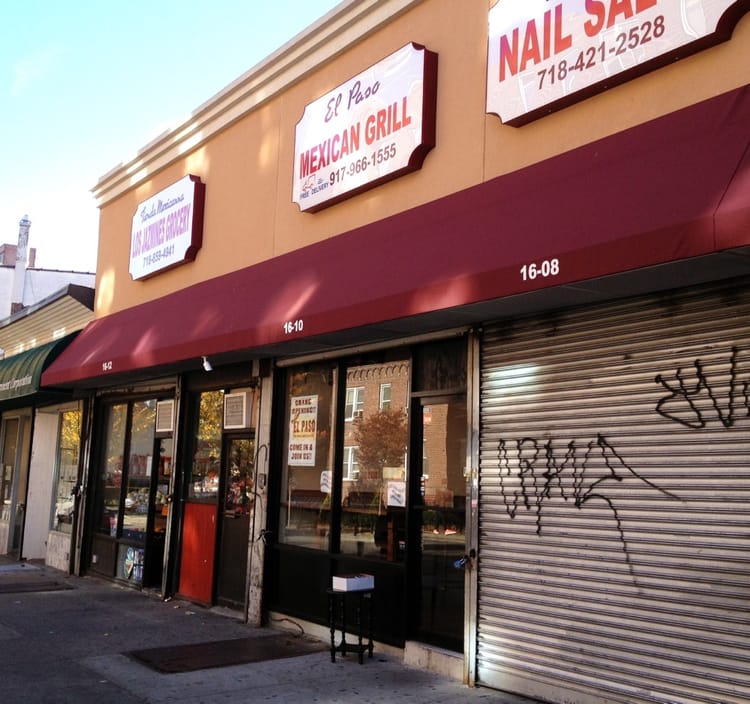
[[540, 478], [592, 468], [693, 403]]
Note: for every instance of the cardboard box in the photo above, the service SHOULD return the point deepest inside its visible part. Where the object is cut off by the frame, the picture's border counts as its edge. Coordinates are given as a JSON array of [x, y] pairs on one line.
[[353, 582]]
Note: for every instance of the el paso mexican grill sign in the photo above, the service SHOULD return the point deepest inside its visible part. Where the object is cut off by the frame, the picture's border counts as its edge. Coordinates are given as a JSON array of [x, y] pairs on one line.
[[545, 54], [167, 228], [375, 127]]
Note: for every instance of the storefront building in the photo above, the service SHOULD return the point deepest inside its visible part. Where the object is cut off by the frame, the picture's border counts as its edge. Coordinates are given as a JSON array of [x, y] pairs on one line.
[[454, 295], [40, 432], [133, 484]]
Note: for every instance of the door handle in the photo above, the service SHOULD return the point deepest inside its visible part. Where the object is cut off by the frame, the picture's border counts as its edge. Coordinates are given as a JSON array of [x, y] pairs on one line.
[[467, 561]]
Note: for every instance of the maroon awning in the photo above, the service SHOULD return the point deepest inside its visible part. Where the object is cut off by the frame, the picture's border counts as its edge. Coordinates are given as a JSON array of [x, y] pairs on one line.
[[670, 190]]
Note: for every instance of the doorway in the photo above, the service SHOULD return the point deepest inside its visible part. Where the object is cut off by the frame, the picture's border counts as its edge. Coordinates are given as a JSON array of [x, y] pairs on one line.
[[130, 502], [13, 478], [439, 514], [218, 495]]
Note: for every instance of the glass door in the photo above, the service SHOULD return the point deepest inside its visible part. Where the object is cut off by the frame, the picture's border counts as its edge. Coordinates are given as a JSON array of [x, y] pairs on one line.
[[201, 502], [123, 498], [11, 427], [158, 512], [440, 514], [236, 513]]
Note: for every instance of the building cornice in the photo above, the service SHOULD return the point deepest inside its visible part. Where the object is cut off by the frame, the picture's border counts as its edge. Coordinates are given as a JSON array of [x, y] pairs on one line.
[[343, 26]]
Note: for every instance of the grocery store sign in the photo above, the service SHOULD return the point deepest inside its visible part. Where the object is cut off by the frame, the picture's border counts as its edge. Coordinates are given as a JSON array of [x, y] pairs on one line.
[[167, 228], [544, 55], [373, 128]]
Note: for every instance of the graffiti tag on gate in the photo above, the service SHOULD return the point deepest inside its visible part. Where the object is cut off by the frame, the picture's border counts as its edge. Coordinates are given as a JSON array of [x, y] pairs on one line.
[[693, 401], [581, 473], [533, 472]]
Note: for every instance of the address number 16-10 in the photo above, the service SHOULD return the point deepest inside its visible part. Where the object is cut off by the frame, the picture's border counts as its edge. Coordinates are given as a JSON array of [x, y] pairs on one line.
[[549, 267]]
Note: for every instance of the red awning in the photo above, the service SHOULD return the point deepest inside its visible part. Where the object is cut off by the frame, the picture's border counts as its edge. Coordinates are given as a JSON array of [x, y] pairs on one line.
[[669, 190]]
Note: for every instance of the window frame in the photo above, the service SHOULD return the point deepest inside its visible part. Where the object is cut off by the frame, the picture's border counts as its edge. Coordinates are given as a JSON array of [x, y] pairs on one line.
[[350, 463], [384, 404], [357, 403]]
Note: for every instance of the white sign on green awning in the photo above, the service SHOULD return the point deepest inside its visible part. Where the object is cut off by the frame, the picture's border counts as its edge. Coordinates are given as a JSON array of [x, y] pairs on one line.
[[20, 375]]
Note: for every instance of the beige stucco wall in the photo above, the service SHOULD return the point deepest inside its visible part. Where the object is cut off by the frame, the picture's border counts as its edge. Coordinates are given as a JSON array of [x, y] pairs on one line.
[[247, 166]]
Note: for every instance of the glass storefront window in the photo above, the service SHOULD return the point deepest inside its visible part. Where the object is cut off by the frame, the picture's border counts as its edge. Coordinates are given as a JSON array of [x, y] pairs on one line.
[[125, 479], [373, 498], [110, 479], [68, 448], [369, 482], [203, 483], [140, 458], [307, 477]]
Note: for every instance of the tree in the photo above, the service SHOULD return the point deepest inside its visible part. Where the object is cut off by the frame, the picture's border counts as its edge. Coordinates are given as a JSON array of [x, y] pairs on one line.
[[381, 438]]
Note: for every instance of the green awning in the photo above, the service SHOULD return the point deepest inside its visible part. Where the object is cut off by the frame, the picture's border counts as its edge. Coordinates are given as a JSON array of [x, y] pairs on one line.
[[21, 374]]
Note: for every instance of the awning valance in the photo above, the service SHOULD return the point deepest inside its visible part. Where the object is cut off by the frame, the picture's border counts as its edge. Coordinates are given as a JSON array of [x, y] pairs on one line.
[[674, 189], [21, 374]]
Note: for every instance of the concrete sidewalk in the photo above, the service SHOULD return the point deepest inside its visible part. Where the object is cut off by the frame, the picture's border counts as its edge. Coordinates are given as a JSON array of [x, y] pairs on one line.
[[69, 644]]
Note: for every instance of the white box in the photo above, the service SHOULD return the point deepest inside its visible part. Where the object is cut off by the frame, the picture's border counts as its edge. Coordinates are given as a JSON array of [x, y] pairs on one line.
[[353, 582]]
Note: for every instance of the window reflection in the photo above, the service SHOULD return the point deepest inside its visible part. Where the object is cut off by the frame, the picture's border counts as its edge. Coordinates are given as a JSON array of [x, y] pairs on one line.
[[139, 470], [68, 447], [204, 480], [385, 397], [238, 498], [307, 482], [125, 482], [370, 484], [443, 483], [111, 477], [373, 496], [355, 402], [351, 463]]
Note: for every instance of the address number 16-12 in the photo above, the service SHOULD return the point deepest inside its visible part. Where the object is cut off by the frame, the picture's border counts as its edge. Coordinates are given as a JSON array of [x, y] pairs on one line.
[[549, 267]]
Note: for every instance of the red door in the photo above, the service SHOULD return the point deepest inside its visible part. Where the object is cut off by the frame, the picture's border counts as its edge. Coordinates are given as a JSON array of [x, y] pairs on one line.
[[198, 551]]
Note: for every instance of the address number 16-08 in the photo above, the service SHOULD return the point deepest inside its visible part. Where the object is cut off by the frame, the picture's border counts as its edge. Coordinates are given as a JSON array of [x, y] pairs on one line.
[[549, 267]]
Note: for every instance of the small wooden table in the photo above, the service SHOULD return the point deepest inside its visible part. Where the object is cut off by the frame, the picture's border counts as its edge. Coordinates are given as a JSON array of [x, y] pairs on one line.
[[338, 605]]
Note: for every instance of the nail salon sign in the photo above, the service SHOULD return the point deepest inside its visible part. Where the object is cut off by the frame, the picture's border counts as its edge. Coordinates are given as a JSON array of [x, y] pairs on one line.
[[544, 55]]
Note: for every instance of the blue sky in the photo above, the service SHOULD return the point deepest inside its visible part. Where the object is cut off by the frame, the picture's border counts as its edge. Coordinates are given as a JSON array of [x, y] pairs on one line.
[[84, 85]]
